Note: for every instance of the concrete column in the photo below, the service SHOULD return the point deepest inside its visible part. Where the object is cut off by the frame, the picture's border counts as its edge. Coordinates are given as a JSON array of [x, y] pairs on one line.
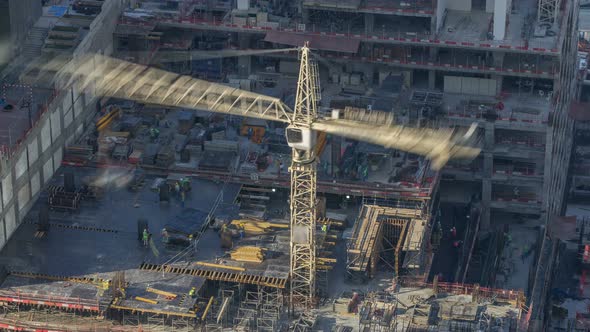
[[489, 137], [431, 79], [486, 198], [433, 53], [369, 73], [498, 79], [500, 14], [433, 25], [244, 41], [244, 65], [369, 23], [498, 59]]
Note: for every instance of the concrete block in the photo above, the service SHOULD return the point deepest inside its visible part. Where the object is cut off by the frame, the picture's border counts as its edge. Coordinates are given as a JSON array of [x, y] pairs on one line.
[[48, 170], [33, 149], [7, 189], [10, 220], [35, 183], [45, 136], [24, 196], [57, 157], [55, 125], [21, 165]]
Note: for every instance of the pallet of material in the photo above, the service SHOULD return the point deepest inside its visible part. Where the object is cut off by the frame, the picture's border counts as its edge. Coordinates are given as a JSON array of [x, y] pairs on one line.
[[248, 254], [194, 150], [222, 146], [180, 142], [218, 136], [135, 157], [196, 136], [149, 154], [221, 161], [165, 157], [121, 151]]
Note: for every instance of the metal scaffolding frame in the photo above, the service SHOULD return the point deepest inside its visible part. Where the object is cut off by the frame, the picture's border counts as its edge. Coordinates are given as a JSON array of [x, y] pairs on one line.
[[548, 11]]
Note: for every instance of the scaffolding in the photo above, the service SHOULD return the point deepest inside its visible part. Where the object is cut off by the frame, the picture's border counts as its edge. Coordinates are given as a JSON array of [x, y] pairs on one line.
[[392, 236]]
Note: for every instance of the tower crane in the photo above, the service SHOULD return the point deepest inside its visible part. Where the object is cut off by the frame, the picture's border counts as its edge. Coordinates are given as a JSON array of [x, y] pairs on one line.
[[125, 80]]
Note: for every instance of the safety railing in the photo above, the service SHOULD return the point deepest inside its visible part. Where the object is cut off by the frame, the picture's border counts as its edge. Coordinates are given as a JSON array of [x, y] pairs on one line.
[[384, 36]]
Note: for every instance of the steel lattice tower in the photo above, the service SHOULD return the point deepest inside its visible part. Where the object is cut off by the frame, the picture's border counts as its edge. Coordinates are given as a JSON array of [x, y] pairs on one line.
[[303, 187]]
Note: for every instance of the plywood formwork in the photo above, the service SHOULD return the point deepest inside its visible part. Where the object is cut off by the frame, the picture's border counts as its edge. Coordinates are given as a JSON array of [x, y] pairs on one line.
[[380, 231]]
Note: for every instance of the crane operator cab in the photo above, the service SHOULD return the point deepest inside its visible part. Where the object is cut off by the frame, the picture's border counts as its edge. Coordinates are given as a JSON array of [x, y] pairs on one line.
[[300, 138]]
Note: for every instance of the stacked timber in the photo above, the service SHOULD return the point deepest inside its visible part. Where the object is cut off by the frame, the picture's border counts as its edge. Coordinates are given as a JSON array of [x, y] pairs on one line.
[[257, 227], [248, 254]]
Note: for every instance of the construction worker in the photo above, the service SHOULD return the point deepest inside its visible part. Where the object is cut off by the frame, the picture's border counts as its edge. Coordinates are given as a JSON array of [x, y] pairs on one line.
[[192, 293], [165, 235], [146, 237], [454, 232], [177, 187], [516, 192], [324, 228]]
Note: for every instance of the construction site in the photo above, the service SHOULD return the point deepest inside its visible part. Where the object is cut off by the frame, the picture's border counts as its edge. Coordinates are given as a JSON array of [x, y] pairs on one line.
[[275, 165]]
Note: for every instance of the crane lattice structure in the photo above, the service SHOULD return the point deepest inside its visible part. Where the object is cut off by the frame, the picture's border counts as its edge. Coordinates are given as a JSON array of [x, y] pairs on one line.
[[547, 11], [111, 77]]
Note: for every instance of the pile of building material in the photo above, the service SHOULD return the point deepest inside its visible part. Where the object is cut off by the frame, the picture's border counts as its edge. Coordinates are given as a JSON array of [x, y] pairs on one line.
[[257, 227], [149, 154], [165, 157], [248, 254], [78, 154], [121, 152], [61, 200]]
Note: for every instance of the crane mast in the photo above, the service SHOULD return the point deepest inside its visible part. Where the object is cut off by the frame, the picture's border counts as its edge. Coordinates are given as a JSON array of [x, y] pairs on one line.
[[303, 186]]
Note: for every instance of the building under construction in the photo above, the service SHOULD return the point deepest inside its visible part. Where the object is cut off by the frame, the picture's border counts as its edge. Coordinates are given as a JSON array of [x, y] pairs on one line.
[[135, 195]]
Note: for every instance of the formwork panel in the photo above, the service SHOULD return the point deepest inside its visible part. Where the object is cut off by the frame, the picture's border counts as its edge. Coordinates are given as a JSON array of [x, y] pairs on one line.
[[78, 107], [57, 158], [48, 170], [35, 183], [10, 220], [68, 118], [67, 103], [7, 189], [24, 196], [33, 149], [21, 165], [45, 136], [75, 92], [55, 125]]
